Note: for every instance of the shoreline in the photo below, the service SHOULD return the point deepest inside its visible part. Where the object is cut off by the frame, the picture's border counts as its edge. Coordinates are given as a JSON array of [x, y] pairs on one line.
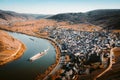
[[50, 68], [16, 55], [57, 50]]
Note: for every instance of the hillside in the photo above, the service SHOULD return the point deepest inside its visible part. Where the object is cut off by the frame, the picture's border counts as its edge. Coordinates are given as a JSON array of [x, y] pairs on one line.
[[10, 48], [70, 17], [10, 16], [107, 18]]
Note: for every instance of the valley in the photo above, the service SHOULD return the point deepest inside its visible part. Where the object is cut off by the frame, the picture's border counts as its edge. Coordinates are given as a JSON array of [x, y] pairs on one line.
[[82, 40]]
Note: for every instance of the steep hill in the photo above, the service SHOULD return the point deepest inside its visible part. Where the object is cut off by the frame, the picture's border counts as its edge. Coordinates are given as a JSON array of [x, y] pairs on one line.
[[10, 16], [70, 17], [106, 18]]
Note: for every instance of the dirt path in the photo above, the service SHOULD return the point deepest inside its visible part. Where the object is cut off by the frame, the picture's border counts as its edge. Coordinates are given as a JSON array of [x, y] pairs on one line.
[[109, 67]]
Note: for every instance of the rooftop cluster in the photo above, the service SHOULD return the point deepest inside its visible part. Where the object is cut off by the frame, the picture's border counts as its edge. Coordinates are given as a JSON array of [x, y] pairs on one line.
[[83, 48]]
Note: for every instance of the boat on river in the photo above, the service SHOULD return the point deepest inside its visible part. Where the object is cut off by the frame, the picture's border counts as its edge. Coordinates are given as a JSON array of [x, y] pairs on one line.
[[39, 55]]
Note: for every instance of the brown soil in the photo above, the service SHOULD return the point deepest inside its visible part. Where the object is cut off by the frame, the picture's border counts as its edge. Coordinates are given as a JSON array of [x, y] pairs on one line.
[[10, 48], [34, 26]]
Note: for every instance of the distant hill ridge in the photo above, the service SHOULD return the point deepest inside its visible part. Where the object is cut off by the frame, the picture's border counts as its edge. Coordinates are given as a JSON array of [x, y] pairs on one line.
[[13, 16], [106, 18]]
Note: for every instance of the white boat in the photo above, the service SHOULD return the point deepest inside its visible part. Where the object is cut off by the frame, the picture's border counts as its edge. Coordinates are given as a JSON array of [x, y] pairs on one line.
[[39, 55]]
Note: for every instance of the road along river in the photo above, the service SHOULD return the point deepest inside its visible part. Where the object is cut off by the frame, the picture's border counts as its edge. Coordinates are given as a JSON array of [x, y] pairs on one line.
[[22, 69]]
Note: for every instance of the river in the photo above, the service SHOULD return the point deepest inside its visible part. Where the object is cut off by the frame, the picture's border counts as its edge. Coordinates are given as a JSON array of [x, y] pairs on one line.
[[22, 69]]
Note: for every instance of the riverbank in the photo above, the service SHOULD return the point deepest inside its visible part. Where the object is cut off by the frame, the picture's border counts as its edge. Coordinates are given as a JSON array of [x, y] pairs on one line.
[[50, 68], [10, 48], [57, 49]]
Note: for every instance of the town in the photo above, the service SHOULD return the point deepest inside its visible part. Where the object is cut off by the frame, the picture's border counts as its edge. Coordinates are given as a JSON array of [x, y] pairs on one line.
[[87, 51]]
